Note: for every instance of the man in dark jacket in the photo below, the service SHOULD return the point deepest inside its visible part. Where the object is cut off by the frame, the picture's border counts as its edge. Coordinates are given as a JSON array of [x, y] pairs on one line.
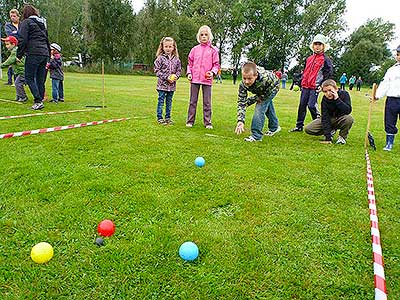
[[336, 109], [34, 43], [11, 29], [318, 68]]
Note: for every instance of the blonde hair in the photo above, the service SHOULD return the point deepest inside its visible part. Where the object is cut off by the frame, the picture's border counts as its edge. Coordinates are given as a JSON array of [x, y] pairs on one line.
[[160, 50], [249, 67], [14, 11], [208, 29], [329, 82]]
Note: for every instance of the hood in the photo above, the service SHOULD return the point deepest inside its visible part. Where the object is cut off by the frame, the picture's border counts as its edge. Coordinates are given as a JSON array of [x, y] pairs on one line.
[[40, 20]]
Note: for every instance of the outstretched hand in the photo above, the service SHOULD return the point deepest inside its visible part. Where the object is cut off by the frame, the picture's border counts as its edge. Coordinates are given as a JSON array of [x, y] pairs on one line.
[[239, 128]]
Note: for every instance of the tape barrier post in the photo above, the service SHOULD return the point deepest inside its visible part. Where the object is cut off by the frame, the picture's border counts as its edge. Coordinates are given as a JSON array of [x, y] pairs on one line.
[[379, 273]]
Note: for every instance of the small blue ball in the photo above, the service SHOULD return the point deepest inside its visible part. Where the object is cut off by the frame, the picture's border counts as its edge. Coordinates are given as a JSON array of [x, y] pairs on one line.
[[199, 161], [188, 251]]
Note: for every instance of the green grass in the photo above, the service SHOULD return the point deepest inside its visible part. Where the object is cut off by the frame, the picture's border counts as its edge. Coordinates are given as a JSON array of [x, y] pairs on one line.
[[286, 218]]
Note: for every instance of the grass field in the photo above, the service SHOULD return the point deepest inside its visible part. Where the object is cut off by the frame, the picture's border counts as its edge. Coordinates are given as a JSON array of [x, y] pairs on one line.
[[286, 218]]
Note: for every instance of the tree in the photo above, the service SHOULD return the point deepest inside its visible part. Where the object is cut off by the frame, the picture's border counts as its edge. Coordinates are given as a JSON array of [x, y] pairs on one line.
[[366, 48], [110, 27]]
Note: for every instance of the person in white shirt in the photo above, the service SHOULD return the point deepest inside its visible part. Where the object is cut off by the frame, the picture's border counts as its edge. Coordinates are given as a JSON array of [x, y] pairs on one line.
[[390, 87]]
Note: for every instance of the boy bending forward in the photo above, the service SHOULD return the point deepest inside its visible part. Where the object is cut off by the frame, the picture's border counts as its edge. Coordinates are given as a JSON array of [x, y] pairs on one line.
[[264, 85]]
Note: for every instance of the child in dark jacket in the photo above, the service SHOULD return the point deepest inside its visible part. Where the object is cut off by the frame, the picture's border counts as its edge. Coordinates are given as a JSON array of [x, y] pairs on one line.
[[318, 68], [336, 109], [56, 74], [167, 67]]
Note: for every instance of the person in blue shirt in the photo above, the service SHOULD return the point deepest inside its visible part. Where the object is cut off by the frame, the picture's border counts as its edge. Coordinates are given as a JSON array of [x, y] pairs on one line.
[[11, 29], [343, 81]]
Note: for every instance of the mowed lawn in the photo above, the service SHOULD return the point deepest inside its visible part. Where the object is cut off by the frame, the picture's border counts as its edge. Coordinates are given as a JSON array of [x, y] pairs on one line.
[[286, 218]]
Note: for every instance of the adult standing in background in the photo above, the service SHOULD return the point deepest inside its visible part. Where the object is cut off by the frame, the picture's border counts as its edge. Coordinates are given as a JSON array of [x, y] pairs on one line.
[[343, 81], [234, 75], [11, 29], [284, 79], [33, 42]]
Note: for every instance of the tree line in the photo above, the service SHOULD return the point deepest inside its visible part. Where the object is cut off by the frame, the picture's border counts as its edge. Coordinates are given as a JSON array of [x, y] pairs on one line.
[[272, 33]]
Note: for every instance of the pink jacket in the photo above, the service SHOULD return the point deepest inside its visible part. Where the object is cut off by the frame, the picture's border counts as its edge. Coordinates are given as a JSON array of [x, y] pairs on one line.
[[203, 58]]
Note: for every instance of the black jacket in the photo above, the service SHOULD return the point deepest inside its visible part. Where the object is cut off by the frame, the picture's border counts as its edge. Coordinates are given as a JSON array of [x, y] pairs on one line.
[[334, 109], [32, 38]]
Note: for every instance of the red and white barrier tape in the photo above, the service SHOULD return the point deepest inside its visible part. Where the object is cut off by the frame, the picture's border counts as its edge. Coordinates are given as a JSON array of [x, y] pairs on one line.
[[58, 128], [47, 113], [10, 101], [379, 273]]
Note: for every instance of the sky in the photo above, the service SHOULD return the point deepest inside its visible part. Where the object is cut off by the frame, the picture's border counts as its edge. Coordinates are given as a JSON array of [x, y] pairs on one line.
[[358, 12]]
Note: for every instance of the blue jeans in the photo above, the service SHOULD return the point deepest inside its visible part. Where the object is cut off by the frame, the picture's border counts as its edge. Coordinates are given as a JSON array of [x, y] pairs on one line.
[[167, 96], [35, 75], [57, 89], [284, 84], [264, 108]]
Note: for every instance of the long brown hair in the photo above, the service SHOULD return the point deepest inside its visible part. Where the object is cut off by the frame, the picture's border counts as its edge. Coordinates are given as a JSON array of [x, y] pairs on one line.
[[29, 10], [160, 49]]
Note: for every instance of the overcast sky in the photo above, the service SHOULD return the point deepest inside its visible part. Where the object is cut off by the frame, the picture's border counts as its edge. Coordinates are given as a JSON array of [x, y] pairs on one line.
[[358, 12]]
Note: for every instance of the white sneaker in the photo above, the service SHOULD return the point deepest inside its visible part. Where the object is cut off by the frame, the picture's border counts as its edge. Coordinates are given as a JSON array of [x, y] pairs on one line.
[[272, 133], [251, 139], [189, 125], [38, 105], [341, 140], [209, 127]]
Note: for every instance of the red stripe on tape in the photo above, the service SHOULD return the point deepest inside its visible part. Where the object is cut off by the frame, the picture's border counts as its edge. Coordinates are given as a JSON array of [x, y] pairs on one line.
[[380, 283]]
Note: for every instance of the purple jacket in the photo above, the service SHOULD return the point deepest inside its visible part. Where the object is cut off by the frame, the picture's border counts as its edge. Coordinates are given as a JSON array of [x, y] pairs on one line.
[[164, 66], [203, 58]]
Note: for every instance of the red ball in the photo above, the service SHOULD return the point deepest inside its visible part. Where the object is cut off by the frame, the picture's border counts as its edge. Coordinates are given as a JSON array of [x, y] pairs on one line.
[[106, 228]]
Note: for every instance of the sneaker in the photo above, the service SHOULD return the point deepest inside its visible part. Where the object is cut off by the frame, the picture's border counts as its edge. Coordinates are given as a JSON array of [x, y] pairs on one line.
[[22, 99], [272, 133], [333, 132], [209, 126], [161, 121], [168, 122], [341, 140], [251, 139], [37, 105], [190, 125], [296, 129], [60, 100]]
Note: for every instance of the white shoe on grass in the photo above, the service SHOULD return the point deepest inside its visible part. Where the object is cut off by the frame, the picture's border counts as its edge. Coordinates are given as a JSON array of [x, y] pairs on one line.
[[272, 133], [340, 140]]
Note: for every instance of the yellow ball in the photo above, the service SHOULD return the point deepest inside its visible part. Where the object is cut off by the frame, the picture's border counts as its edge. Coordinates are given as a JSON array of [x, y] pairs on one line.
[[41, 253], [172, 77]]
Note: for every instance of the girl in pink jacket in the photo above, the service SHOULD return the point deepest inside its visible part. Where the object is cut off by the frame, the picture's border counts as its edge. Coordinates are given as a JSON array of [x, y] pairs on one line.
[[203, 64]]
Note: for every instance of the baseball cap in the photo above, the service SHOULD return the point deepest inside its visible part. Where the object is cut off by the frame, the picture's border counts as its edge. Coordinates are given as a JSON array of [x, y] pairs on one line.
[[11, 39]]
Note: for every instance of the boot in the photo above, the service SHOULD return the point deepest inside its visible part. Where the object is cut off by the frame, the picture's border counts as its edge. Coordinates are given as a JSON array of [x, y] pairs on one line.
[[389, 142]]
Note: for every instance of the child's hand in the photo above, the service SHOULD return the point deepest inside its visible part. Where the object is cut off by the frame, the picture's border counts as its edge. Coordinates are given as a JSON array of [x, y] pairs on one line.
[[239, 128], [189, 77], [172, 78], [209, 75]]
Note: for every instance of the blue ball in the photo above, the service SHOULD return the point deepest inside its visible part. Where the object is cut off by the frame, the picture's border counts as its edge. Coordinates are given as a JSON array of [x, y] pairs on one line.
[[188, 251], [199, 161]]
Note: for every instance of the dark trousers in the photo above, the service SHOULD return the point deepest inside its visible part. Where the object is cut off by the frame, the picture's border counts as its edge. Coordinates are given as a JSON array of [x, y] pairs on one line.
[[194, 97], [392, 113], [19, 87], [343, 86], [35, 75], [308, 99], [358, 87], [10, 73], [351, 86]]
